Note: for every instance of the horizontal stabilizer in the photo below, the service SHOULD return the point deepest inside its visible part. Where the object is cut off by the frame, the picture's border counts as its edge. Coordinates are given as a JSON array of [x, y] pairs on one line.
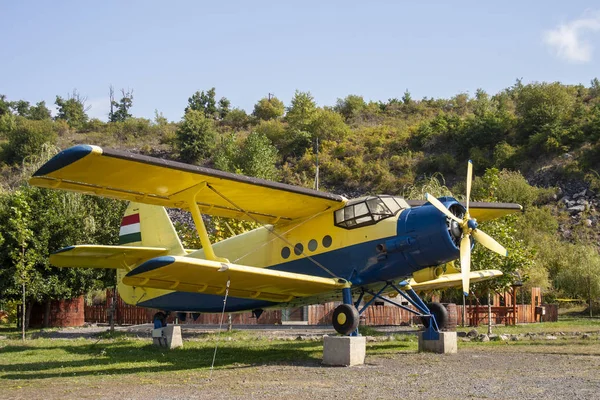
[[203, 276], [111, 257], [454, 280]]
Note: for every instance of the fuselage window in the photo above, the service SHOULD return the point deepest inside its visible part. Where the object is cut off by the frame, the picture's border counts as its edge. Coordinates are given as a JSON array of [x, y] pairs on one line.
[[366, 211]]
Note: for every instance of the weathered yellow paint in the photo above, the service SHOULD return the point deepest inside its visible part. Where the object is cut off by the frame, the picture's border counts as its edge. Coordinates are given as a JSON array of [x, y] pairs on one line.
[[133, 180], [189, 274]]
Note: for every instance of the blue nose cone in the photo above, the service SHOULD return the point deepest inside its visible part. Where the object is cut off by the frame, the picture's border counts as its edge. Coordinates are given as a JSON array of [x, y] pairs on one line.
[[429, 231], [472, 224]]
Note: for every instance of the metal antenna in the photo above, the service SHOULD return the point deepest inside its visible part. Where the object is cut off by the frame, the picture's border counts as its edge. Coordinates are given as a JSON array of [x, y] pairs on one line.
[[317, 174], [212, 366]]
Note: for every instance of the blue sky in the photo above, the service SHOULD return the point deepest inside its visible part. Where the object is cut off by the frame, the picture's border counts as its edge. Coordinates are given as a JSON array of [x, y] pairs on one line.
[[166, 51]]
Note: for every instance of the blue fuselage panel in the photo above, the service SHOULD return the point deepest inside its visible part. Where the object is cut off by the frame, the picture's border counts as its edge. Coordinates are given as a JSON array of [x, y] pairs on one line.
[[422, 240]]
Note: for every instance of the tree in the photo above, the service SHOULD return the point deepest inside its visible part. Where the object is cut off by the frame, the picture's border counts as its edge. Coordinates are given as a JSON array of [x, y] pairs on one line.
[[72, 109], [406, 97], [19, 251], [39, 111], [302, 110], [254, 155], [119, 110], [4, 105], [203, 102], [268, 108], [350, 106], [236, 118], [329, 125], [580, 276], [223, 108], [27, 138], [195, 137], [58, 219], [21, 108], [258, 157]]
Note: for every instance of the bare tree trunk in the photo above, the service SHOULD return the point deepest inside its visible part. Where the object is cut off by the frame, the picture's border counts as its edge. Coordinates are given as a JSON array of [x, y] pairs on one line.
[[590, 293], [113, 310], [489, 301], [23, 314]]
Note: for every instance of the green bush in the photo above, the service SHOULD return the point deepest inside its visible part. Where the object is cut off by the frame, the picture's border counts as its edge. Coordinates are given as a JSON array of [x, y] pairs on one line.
[[195, 137], [27, 139]]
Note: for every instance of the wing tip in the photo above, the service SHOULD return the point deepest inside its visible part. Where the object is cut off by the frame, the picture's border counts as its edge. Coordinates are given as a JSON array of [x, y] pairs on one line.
[[152, 264], [64, 249], [65, 158]]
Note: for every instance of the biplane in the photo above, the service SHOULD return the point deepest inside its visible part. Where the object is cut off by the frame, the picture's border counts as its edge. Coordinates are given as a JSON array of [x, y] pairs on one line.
[[311, 246]]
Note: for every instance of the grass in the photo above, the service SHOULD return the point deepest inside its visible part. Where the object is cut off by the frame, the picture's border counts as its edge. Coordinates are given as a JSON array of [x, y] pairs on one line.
[[123, 357], [48, 358], [565, 324]]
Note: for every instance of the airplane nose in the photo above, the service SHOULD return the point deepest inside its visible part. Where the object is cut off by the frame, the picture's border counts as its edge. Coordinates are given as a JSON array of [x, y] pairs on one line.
[[433, 238]]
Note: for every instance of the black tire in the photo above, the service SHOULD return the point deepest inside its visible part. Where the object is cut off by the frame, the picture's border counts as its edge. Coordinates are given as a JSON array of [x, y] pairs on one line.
[[345, 319], [439, 312], [162, 317]]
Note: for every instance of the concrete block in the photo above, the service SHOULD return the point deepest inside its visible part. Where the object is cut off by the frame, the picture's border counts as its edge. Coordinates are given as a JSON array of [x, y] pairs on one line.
[[168, 337], [446, 344], [344, 350]]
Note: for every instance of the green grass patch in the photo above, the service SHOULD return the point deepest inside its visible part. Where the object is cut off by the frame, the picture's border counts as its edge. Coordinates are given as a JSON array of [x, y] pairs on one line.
[[47, 358], [565, 324]]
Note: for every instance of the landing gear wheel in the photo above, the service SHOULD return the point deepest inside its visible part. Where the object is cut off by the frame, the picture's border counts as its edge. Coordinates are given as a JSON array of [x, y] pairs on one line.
[[439, 312], [159, 317], [345, 319]]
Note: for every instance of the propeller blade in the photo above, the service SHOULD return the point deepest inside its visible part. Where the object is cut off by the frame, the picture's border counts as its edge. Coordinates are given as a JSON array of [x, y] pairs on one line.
[[465, 262], [438, 204], [489, 242], [469, 179]]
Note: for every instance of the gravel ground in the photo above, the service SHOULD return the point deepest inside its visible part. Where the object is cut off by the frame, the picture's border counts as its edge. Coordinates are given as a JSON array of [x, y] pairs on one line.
[[550, 370], [523, 372]]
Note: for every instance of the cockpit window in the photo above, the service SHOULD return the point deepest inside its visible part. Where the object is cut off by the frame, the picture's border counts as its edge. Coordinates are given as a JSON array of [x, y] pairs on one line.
[[367, 211]]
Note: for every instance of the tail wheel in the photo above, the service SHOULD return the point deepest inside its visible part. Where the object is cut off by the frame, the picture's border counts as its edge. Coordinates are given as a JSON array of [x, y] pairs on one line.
[[345, 319], [439, 312]]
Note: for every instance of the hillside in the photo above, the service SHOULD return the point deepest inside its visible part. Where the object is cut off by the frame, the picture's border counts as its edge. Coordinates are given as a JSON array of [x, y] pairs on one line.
[[535, 144]]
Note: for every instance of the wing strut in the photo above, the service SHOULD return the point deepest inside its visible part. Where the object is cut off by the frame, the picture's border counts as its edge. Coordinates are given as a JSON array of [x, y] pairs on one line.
[[189, 197], [271, 230]]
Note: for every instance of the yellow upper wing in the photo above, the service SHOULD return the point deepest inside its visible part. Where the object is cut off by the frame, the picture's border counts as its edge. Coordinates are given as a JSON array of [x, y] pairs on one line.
[[116, 174], [482, 211], [195, 275]]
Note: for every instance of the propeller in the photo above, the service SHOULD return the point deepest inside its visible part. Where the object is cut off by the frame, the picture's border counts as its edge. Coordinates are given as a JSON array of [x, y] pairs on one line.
[[468, 227]]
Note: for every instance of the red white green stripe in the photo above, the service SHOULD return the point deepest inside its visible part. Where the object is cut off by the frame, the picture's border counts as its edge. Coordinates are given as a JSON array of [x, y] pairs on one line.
[[130, 229]]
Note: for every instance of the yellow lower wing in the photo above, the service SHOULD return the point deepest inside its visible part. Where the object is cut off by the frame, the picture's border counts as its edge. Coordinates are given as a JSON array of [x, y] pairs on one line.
[[203, 276], [453, 280], [112, 257]]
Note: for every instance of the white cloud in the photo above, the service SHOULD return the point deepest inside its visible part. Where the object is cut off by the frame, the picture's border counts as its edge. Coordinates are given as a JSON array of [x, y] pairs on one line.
[[567, 40]]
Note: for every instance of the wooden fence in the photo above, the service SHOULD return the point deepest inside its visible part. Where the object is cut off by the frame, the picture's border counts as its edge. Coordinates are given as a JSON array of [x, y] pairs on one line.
[[321, 314]]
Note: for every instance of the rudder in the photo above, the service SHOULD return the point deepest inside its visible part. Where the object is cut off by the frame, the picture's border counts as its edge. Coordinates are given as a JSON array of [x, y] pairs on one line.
[[149, 226]]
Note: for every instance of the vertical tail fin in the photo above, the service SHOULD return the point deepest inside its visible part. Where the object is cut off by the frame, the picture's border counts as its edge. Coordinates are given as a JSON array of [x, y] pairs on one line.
[[149, 226]]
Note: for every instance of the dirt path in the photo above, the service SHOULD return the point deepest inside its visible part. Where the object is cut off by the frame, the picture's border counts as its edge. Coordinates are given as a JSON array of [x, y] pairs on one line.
[[516, 372]]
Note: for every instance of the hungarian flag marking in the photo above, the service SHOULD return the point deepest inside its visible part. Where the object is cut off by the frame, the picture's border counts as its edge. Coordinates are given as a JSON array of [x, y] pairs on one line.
[[130, 229]]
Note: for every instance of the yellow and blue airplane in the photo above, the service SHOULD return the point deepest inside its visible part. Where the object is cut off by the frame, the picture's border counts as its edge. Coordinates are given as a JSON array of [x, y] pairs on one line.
[[312, 246]]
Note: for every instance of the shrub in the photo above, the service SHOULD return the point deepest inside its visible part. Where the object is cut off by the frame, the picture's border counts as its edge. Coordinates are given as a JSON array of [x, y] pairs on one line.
[[27, 138]]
